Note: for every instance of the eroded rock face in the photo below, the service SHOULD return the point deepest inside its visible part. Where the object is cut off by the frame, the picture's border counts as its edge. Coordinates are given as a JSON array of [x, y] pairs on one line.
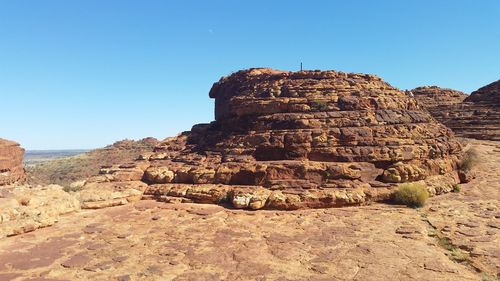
[[290, 140], [433, 98], [477, 117], [109, 194], [24, 208], [11, 162], [487, 94]]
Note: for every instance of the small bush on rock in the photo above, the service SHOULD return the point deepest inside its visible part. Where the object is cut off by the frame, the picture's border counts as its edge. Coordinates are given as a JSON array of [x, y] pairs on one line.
[[469, 160], [74, 187], [319, 105], [456, 188], [411, 194]]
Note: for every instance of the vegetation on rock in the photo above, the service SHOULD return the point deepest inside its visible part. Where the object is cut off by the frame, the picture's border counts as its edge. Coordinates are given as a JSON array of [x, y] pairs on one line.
[[469, 160], [411, 194], [65, 171]]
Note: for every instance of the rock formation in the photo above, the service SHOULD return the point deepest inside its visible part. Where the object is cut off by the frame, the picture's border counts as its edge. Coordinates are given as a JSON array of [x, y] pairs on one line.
[[289, 140], [433, 98], [26, 208], [11, 162], [478, 116]]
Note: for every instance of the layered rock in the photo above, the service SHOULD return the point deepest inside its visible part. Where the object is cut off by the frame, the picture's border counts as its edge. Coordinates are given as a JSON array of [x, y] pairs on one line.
[[477, 117], [433, 97], [11, 162], [24, 208], [487, 94], [308, 139]]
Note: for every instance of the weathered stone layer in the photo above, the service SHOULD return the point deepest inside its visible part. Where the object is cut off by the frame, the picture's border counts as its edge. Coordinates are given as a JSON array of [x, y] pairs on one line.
[[433, 97], [289, 140], [477, 116], [11, 162]]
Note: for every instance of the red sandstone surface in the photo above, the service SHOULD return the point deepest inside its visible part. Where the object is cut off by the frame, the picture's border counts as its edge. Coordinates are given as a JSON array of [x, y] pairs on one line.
[[433, 98], [454, 237], [281, 140], [290, 140], [11, 158], [477, 116]]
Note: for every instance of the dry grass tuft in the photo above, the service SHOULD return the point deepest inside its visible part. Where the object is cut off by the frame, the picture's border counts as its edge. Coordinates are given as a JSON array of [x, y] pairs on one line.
[[469, 160], [411, 194]]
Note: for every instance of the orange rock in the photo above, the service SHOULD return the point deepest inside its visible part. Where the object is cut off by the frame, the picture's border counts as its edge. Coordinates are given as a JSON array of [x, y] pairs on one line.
[[305, 139], [11, 159], [475, 116]]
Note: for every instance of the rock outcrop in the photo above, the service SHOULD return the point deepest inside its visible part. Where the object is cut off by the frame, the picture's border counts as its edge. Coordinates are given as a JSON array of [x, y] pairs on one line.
[[290, 140], [24, 208], [478, 116], [433, 97], [11, 162]]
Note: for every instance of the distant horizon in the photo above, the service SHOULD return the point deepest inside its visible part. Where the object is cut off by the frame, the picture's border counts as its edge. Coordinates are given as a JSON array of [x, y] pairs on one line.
[[54, 150], [85, 74]]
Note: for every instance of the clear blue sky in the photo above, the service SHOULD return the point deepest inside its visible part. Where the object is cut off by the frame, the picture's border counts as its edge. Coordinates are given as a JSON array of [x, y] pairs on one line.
[[83, 74]]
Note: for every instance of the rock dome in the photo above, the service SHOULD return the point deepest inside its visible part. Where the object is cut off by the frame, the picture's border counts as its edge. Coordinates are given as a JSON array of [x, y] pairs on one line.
[[434, 98], [307, 139], [478, 116]]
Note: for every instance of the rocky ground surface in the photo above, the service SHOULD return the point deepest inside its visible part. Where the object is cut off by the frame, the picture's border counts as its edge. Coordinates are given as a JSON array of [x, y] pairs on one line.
[[67, 170], [454, 237], [25, 208], [468, 222]]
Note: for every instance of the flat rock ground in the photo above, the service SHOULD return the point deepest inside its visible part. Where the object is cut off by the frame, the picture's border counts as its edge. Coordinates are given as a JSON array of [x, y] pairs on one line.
[[455, 237]]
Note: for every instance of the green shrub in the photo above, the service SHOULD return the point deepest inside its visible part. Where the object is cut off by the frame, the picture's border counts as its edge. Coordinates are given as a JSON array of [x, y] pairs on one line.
[[319, 105], [456, 188], [411, 194], [469, 160]]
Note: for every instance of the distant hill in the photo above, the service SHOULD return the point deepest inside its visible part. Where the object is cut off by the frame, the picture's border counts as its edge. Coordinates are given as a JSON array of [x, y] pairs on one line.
[[34, 157], [64, 167]]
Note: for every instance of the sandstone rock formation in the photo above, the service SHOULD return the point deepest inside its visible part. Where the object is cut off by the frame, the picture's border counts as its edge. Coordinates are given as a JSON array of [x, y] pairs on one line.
[[477, 117], [102, 195], [24, 208], [289, 140], [11, 162], [487, 94], [454, 237], [433, 97]]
